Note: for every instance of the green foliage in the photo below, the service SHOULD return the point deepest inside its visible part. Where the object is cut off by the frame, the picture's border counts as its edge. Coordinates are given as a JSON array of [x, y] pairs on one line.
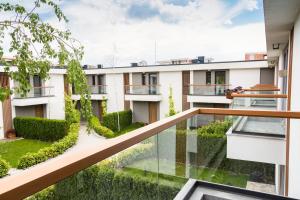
[[35, 44], [40, 128], [110, 120], [46, 194], [104, 106], [12, 151], [72, 115], [4, 167], [217, 128], [102, 182], [52, 151], [127, 157], [130, 128], [172, 110], [99, 129]]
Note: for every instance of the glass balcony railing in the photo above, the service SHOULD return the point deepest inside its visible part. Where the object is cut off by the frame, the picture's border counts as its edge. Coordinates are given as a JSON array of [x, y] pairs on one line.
[[156, 162], [94, 89], [208, 90], [35, 92], [142, 89], [257, 103], [98, 89]]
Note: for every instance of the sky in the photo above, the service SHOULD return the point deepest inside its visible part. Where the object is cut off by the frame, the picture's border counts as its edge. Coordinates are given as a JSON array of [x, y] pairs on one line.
[[119, 32]]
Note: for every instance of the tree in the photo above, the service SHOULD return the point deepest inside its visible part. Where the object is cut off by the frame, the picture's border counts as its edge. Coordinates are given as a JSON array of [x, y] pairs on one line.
[[104, 106], [36, 44], [172, 110]]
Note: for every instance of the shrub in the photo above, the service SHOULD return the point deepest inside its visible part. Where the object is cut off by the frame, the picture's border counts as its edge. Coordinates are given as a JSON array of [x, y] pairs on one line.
[[72, 115], [102, 182], [110, 120], [172, 110], [52, 151], [4, 167], [99, 129], [132, 154], [40, 128]]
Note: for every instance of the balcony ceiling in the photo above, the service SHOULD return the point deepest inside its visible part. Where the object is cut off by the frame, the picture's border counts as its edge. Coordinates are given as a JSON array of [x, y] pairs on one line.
[[280, 16]]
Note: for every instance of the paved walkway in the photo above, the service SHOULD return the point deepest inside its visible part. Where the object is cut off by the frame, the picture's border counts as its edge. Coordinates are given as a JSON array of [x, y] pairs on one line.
[[84, 141]]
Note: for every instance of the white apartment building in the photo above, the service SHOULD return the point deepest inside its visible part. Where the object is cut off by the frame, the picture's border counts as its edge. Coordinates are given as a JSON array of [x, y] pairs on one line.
[[144, 90]]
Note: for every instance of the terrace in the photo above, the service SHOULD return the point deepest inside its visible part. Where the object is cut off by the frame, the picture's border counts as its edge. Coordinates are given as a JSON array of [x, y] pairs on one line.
[[36, 95], [158, 161]]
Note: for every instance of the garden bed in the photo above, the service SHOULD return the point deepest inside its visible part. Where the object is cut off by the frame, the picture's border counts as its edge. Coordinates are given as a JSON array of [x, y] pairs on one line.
[[12, 151]]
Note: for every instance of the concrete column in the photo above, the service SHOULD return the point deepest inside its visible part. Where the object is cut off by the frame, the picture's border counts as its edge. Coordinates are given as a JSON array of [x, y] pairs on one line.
[[130, 88], [279, 179], [191, 89]]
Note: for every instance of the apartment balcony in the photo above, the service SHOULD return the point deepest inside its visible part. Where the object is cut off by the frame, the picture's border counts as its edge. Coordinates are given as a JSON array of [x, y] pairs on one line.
[[36, 96], [173, 158], [214, 93], [267, 135], [142, 93], [98, 92]]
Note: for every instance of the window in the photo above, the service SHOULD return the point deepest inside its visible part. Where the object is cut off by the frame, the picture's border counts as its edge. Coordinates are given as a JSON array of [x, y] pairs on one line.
[[143, 79], [93, 80], [208, 78]]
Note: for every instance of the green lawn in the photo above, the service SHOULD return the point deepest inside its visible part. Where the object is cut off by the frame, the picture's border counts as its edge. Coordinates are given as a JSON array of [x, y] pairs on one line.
[[196, 172], [129, 128], [12, 151]]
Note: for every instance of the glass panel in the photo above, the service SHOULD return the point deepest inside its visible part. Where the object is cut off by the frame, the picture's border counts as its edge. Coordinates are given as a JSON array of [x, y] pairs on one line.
[[98, 89], [142, 89], [204, 147], [259, 103], [208, 90], [198, 148], [36, 92], [130, 174]]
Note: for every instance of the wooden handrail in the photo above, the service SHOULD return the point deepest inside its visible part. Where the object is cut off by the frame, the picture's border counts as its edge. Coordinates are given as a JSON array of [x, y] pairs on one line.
[[43, 175], [253, 113], [262, 89], [259, 95], [36, 178]]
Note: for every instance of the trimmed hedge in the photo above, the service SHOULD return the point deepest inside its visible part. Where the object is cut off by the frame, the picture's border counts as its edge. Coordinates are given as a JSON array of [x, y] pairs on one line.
[[125, 158], [40, 128], [99, 129], [4, 167], [110, 120], [103, 182], [52, 151]]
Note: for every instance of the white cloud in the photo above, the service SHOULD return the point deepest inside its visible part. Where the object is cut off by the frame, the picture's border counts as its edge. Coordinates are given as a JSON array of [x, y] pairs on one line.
[[107, 32]]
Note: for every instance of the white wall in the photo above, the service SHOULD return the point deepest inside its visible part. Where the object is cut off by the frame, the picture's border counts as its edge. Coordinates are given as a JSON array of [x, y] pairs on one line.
[[56, 104], [256, 148], [167, 79], [244, 77], [294, 159], [115, 92]]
